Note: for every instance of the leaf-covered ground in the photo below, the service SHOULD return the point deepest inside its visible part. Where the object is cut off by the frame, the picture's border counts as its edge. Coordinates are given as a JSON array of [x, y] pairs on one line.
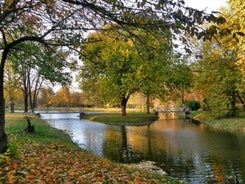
[[42, 160]]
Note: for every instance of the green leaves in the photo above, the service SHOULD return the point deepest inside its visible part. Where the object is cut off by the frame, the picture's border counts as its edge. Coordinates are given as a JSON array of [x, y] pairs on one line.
[[219, 78], [111, 63], [221, 67]]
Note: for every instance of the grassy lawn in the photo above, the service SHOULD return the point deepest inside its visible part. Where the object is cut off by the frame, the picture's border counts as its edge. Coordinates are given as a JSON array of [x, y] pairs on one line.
[[49, 156], [231, 124], [132, 118]]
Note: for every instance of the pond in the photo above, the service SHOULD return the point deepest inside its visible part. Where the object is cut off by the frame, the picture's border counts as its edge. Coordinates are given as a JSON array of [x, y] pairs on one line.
[[189, 151]]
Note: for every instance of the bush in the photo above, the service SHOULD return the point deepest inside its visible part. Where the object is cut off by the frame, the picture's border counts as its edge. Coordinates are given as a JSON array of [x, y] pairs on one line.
[[193, 105], [218, 105], [12, 152]]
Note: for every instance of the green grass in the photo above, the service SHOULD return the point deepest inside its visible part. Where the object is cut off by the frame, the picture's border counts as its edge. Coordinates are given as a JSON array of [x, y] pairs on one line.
[[117, 119], [16, 124], [231, 124]]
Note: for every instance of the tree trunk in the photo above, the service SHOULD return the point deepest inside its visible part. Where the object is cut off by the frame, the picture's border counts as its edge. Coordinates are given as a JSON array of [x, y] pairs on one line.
[[123, 106], [25, 101], [233, 103], [241, 100], [12, 107], [33, 94], [147, 104], [3, 136]]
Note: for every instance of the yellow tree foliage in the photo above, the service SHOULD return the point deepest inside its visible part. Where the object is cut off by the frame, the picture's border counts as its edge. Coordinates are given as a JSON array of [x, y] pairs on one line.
[[63, 96], [235, 21]]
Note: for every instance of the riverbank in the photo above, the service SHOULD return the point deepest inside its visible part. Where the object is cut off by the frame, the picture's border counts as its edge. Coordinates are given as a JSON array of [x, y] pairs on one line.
[[230, 124], [236, 124], [132, 118], [49, 156]]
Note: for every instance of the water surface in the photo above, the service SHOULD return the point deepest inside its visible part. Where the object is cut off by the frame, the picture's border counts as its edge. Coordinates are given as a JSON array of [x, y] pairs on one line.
[[189, 151]]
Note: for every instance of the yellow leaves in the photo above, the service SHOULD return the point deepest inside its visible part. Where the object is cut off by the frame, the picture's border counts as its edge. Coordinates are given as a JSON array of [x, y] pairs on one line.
[[7, 5], [140, 21], [98, 179]]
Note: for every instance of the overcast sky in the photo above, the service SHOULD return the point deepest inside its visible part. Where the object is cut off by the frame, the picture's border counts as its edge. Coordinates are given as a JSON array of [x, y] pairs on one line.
[[210, 5]]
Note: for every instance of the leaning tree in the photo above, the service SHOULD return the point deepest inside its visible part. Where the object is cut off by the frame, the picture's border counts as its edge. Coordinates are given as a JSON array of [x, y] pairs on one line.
[[57, 23]]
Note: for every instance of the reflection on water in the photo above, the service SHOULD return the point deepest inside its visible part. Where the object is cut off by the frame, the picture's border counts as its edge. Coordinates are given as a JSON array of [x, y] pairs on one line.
[[191, 152]]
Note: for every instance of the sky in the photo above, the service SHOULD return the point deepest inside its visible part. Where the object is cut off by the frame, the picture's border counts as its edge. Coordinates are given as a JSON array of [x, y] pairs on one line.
[[209, 5]]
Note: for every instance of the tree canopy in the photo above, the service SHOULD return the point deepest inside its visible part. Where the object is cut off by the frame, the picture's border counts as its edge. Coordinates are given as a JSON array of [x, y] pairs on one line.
[[115, 66], [110, 65], [221, 64], [65, 23]]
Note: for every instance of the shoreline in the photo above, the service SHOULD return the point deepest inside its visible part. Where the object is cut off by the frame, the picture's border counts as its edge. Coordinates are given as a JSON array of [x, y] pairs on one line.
[[48, 155], [232, 124], [235, 124]]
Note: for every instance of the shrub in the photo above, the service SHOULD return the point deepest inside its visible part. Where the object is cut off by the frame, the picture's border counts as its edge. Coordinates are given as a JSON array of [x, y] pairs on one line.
[[193, 105], [12, 151]]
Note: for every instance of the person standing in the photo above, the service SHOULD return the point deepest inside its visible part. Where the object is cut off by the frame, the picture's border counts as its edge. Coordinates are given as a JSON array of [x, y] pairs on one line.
[[186, 110]]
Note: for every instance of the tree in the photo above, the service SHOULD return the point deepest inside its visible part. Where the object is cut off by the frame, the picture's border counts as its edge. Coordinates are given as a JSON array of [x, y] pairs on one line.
[[221, 64], [147, 71], [113, 67], [35, 66], [235, 24], [220, 78], [11, 86], [63, 97], [155, 60], [180, 78], [46, 97], [57, 23]]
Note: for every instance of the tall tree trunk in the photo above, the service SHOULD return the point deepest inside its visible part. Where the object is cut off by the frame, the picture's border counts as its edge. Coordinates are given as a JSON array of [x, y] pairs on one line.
[[3, 136], [233, 103], [25, 101], [29, 84], [124, 101], [148, 104], [34, 94], [25, 91], [12, 107]]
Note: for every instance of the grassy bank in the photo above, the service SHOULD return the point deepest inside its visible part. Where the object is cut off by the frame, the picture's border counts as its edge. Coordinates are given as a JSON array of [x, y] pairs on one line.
[[231, 124], [134, 118], [116, 118], [49, 156]]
